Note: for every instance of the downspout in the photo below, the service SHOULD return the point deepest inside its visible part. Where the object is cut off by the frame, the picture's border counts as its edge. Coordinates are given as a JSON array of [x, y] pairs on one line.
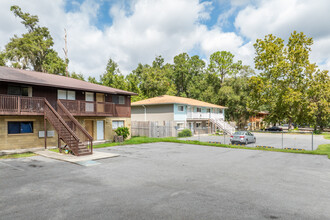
[[145, 113]]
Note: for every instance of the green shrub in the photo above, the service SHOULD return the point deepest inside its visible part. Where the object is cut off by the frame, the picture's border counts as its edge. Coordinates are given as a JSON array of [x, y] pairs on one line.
[[122, 131], [317, 132], [185, 133]]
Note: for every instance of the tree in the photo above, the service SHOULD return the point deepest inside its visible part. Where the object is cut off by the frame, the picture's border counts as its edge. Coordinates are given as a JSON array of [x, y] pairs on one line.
[[282, 83], [2, 59], [319, 100], [234, 94], [222, 63], [92, 80], [34, 48], [150, 81], [186, 73], [77, 76], [113, 77]]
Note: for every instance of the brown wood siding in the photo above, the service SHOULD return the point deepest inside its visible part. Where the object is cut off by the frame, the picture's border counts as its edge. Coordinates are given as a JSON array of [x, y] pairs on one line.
[[108, 97], [47, 92], [80, 95], [3, 88], [50, 93], [125, 109]]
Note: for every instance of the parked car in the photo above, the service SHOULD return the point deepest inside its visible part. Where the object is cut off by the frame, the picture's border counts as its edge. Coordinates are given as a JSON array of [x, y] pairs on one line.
[[244, 137], [274, 128]]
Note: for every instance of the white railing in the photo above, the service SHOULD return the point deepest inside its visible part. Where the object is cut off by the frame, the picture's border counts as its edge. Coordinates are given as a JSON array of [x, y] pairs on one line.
[[204, 115], [221, 124]]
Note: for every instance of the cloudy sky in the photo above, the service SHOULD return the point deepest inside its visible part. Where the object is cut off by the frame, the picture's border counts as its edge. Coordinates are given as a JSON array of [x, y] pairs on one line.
[[135, 31]]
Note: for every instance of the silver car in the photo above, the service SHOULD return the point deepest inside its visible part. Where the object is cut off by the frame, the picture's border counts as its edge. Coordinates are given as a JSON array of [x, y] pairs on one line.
[[244, 137]]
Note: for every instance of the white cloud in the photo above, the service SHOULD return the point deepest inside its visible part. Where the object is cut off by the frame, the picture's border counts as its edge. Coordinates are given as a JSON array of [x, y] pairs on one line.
[[137, 34], [144, 29], [282, 17], [154, 28]]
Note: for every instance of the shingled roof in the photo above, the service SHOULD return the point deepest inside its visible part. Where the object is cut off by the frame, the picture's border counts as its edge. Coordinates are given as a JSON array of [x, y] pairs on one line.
[[27, 77], [167, 99]]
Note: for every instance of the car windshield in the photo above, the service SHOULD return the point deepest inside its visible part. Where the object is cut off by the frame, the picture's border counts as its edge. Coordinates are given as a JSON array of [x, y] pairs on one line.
[[239, 133]]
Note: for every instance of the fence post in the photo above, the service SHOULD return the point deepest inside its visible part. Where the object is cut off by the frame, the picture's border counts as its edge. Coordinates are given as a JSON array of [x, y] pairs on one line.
[[282, 139], [312, 141]]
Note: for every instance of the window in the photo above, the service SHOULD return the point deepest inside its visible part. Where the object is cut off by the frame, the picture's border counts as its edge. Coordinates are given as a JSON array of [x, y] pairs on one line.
[[198, 124], [118, 99], [17, 90], [180, 108], [20, 127], [199, 109], [208, 110], [121, 100], [180, 125], [117, 124], [66, 94], [71, 95]]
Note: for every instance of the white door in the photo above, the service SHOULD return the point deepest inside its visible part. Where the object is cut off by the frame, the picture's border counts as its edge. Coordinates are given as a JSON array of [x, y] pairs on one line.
[[90, 98], [100, 130], [191, 125]]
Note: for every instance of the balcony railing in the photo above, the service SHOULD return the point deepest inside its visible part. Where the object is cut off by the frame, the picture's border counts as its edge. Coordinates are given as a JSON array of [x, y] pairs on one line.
[[204, 115], [87, 108], [21, 105]]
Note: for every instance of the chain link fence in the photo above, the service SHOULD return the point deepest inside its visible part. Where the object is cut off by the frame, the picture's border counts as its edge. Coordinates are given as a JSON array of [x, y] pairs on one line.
[[298, 140]]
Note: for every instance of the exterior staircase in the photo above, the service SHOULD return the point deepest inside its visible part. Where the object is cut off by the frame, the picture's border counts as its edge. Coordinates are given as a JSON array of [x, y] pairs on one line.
[[69, 130], [222, 125]]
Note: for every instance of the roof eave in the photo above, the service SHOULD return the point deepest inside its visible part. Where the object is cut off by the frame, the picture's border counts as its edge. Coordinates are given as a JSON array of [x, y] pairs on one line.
[[169, 103], [68, 87]]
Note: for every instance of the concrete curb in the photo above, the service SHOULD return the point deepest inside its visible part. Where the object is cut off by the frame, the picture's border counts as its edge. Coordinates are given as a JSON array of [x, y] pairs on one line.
[[266, 147], [288, 148]]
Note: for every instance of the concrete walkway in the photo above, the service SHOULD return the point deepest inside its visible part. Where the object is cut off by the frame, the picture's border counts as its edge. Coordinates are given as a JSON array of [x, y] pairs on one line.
[[74, 159]]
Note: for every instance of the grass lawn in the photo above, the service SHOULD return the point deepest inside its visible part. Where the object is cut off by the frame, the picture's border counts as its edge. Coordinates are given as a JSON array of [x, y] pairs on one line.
[[322, 149], [9, 156], [327, 136]]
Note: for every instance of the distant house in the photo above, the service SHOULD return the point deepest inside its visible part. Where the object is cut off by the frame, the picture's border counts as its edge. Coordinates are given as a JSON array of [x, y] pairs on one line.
[[182, 112], [256, 122], [39, 109]]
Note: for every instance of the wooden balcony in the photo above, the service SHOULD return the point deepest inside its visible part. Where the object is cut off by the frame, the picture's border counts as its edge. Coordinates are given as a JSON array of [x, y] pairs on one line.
[[86, 108], [21, 105], [255, 119]]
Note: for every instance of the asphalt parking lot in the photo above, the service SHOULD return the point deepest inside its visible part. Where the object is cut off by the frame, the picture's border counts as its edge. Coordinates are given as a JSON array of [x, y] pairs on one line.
[[168, 181], [301, 141]]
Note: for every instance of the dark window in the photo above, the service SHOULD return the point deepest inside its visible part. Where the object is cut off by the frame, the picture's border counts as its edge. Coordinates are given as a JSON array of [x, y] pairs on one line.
[[24, 91], [199, 109], [118, 99], [115, 99], [20, 127], [17, 90], [14, 90]]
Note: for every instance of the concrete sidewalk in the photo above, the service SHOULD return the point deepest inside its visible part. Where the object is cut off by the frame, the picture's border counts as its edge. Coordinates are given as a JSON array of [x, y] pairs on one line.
[[75, 159]]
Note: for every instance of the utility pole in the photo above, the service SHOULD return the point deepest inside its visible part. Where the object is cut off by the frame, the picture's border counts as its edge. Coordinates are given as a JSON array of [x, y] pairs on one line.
[[66, 53]]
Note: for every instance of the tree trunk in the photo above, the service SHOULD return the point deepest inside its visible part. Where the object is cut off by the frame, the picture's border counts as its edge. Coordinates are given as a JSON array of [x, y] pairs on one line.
[[290, 124]]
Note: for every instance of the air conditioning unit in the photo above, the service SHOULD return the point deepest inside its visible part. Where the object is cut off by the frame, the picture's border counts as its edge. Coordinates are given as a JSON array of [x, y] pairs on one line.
[[49, 134]]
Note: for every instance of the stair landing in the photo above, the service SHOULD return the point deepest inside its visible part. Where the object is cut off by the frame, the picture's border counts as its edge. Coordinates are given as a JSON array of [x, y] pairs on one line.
[[74, 159]]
